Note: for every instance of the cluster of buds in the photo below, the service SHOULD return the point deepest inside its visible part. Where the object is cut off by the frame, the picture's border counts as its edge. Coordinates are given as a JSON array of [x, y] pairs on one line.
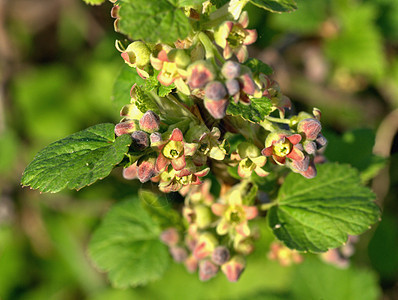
[[217, 235], [179, 143]]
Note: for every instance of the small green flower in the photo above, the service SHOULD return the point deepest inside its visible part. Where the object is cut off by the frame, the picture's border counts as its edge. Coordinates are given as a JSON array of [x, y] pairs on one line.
[[234, 215], [234, 37], [251, 160]]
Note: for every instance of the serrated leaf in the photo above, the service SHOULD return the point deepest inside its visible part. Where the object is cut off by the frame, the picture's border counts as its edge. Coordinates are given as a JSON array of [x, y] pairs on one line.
[[94, 2], [127, 245], [163, 91], [257, 67], [317, 214], [277, 6], [77, 160], [159, 209], [145, 102], [126, 78], [153, 21], [255, 112]]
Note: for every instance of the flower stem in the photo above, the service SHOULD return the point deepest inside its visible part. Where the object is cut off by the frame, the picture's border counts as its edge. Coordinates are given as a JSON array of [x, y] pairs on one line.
[[278, 120], [267, 206]]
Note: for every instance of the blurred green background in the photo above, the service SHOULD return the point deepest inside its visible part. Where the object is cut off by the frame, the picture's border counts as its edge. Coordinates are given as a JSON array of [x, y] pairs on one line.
[[57, 68]]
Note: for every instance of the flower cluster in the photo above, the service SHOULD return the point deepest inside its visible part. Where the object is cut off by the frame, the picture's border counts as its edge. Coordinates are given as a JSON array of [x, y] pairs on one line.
[[203, 110], [217, 235]]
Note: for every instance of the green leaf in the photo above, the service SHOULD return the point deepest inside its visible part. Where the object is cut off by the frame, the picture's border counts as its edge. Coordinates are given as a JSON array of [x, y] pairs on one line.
[[127, 245], [94, 2], [77, 160], [126, 78], [317, 214], [255, 112], [277, 6], [257, 67], [153, 21], [145, 102], [159, 208], [163, 91]]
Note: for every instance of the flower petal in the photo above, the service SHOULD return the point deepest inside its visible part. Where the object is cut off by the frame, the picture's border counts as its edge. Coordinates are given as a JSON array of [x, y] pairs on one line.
[[296, 154], [190, 148], [218, 209], [251, 37], [294, 139], [161, 162], [250, 211], [260, 172], [178, 163], [176, 135], [267, 151], [242, 54]]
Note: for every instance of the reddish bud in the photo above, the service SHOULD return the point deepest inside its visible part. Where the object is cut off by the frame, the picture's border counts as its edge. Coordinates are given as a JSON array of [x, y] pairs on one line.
[[205, 245], [140, 140], [155, 139], [191, 264], [217, 109], [311, 171], [310, 127], [321, 141], [220, 255], [146, 169], [215, 90], [130, 172], [170, 236], [310, 147], [179, 254], [234, 268], [126, 127], [149, 122], [233, 86], [200, 73], [207, 270], [230, 69]]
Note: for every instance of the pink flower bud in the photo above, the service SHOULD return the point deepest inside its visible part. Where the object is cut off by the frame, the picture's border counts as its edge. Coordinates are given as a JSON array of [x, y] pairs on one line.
[[146, 169], [191, 264], [200, 73], [156, 139], [150, 122], [310, 147], [215, 90], [234, 268], [233, 86], [207, 270], [321, 142], [130, 172], [217, 109], [220, 255], [310, 127], [179, 254], [126, 127], [170, 236], [230, 69], [205, 245], [311, 171], [140, 140]]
